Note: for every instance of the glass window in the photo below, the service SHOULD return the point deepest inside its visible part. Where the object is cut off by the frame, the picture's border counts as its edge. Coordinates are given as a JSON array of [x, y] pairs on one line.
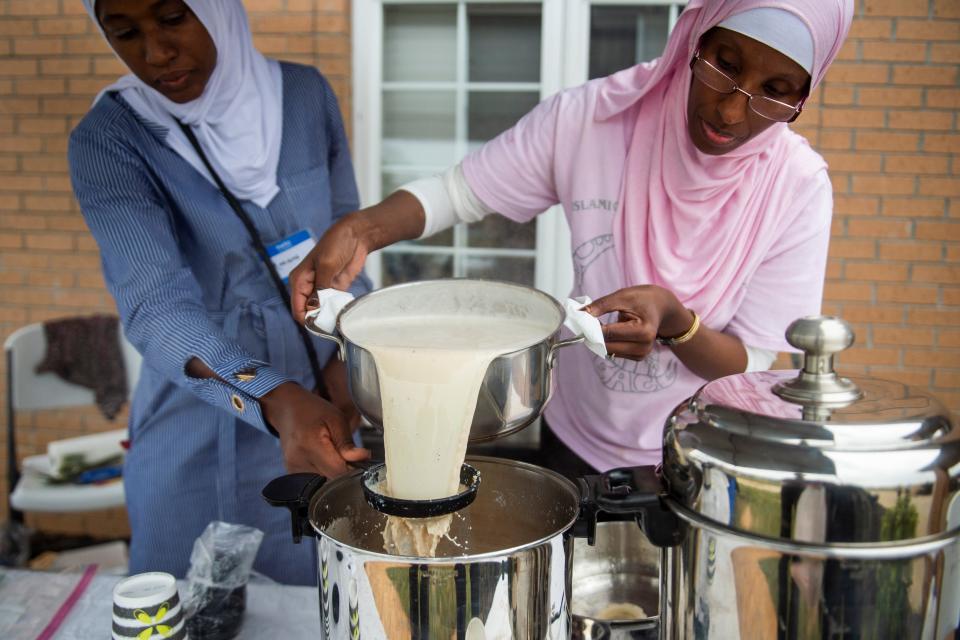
[[419, 43], [519, 270], [490, 113], [504, 43], [435, 111], [621, 36], [401, 267], [419, 128], [497, 231]]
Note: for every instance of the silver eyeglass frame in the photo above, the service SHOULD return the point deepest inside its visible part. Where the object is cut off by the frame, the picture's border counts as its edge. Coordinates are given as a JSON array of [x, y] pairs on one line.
[[797, 108]]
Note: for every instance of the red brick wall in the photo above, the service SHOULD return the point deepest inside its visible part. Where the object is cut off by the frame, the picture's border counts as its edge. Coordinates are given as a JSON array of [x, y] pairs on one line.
[[885, 118], [886, 121]]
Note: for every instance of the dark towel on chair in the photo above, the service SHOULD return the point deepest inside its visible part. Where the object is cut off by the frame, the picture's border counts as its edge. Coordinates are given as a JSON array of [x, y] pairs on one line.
[[86, 352]]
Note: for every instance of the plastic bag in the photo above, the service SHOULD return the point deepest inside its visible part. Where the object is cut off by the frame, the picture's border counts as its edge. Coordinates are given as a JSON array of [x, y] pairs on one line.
[[14, 544], [216, 593]]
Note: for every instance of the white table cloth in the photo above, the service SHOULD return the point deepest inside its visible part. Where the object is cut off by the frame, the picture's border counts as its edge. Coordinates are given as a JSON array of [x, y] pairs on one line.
[[30, 599]]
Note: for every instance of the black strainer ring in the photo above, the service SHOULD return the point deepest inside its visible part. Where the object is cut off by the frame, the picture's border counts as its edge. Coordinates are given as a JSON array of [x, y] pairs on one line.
[[469, 478]]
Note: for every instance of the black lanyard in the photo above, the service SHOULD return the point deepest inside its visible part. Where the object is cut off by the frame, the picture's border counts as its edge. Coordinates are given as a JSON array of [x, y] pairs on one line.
[[262, 251]]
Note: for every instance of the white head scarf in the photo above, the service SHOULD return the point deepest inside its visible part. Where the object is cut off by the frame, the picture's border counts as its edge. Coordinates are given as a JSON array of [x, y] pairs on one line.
[[238, 119]]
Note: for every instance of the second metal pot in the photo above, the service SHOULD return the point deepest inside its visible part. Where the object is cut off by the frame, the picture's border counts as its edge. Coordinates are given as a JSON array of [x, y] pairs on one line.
[[621, 568], [502, 571], [818, 507], [516, 386]]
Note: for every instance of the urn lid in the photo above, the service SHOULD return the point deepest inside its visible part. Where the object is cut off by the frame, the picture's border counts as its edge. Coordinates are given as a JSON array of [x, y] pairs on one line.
[[812, 455]]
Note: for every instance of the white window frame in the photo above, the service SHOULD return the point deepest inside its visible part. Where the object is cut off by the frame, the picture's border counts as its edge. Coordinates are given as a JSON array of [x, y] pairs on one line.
[[564, 53]]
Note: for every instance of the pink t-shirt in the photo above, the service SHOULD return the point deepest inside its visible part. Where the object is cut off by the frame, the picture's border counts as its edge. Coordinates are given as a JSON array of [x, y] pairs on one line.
[[612, 412]]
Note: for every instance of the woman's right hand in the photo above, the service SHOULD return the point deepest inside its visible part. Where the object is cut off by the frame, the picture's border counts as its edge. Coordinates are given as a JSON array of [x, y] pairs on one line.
[[338, 257], [334, 262], [314, 435]]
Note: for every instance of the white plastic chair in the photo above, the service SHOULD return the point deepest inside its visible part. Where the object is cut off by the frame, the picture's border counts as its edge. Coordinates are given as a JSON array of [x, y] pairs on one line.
[[28, 390]]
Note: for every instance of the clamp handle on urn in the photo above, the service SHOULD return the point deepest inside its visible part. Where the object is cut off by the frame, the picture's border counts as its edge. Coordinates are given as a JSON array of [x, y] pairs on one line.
[[624, 494], [295, 491]]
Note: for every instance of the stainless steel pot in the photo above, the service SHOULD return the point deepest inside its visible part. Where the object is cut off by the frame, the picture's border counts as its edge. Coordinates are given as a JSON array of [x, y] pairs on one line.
[[508, 570], [504, 570], [814, 506], [722, 584], [516, 386], [621, 567]]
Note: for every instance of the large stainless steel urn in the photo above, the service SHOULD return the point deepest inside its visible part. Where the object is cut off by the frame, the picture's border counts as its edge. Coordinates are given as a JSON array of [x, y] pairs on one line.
[[502, 572], [815, 506]]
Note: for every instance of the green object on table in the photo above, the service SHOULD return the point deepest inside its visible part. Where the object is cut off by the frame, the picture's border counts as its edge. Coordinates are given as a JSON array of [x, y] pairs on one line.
[[75, 464]]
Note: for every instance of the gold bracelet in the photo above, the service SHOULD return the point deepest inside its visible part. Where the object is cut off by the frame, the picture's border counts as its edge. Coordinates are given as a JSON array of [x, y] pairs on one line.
[[686, 335]]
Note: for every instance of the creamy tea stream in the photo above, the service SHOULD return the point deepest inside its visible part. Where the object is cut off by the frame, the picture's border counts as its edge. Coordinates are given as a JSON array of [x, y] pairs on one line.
[[431, 368]]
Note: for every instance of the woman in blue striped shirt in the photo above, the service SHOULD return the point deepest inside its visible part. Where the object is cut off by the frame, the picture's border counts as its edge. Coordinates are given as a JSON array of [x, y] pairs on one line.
[[225, 367]]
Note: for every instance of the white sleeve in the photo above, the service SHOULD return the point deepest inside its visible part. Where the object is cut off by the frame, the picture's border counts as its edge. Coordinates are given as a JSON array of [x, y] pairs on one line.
[[447, 200], [759, 359]]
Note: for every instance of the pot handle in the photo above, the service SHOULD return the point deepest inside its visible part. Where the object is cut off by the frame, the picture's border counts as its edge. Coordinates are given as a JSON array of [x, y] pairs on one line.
[[294, 491], [628, 493], [310, 323], [560, 344]]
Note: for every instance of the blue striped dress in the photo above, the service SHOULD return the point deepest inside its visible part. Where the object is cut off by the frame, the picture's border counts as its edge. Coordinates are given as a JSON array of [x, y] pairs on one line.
[[188, 282]]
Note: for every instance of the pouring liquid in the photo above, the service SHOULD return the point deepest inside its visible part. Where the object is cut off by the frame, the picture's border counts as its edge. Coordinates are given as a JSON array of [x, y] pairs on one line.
[[431, 369]]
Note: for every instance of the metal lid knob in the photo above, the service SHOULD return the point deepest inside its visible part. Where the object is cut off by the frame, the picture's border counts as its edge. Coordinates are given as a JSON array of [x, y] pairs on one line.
[[820, 338]]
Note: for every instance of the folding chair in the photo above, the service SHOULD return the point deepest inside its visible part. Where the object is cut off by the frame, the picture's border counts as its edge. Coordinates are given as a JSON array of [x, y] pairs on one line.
[[28, 390]]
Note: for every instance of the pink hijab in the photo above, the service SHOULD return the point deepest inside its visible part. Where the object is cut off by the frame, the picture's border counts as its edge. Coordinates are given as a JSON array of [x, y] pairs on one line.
[[697, 224]]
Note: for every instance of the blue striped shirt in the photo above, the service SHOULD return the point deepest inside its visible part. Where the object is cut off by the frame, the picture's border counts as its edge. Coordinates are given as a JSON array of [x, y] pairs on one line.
[[188, 283]]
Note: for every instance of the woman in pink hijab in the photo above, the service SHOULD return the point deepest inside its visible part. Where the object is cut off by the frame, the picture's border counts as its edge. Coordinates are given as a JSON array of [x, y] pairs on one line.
[[700, 221]]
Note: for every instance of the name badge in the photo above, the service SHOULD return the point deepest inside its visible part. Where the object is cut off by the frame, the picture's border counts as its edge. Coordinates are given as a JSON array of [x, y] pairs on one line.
[[288, 253]]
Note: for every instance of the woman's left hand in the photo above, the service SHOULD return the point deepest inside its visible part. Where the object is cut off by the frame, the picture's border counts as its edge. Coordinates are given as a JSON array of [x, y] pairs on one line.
[[644, 312], [314, 435]]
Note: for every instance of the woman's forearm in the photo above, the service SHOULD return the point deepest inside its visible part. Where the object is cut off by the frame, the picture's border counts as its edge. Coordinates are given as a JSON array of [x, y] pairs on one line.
[[712, 354], [339, 255], [399, 216], [647, 312]]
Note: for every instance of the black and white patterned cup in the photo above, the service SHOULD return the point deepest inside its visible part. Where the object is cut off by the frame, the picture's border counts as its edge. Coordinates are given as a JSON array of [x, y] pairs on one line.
[[147, 605]]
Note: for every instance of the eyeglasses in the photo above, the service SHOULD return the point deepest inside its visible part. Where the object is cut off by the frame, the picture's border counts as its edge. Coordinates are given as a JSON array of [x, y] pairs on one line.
[[761, 105]]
